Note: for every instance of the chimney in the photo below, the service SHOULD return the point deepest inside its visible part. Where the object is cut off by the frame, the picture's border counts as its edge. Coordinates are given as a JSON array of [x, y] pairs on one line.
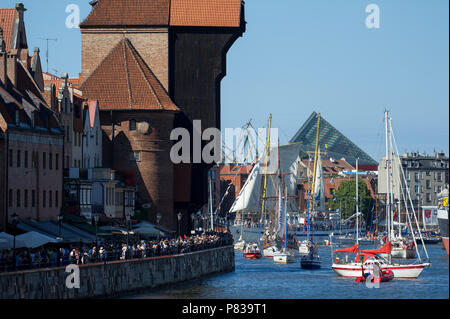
[[3, 59], [12, 66]]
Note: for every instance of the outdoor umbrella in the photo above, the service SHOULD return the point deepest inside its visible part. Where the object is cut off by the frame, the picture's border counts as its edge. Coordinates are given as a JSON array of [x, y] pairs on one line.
[[34, 239], [148, 230], [7, 241]]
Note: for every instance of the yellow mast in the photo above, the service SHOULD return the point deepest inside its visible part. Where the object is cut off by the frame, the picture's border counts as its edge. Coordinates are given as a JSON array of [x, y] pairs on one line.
[[265, 165], [315, 162]]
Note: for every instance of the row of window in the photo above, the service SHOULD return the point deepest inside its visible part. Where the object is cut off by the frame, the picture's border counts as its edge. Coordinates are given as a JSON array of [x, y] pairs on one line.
[[46, 160], [420, 175], [419, 188], [437, 164], [26, 198]]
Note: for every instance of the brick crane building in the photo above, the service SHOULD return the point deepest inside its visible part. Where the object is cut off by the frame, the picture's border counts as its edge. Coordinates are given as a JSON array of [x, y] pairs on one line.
[[154, 65]]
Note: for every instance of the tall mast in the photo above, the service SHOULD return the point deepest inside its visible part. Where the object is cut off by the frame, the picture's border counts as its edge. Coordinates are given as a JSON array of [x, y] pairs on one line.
[[315, 153], [309, 206], [314, 174], [210, 203], [391, 184], [265, 166], [357, 226], [285, 216], [388, 198]]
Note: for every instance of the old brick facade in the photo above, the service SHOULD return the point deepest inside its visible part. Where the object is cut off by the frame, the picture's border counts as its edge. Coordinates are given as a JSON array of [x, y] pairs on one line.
[[183, 45]]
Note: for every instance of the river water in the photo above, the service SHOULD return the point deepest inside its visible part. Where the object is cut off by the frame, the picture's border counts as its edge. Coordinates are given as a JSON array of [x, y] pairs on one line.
[[262, 279]]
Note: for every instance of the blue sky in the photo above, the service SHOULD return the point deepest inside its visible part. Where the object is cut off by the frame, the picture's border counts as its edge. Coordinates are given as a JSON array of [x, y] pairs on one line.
[[300, 56]]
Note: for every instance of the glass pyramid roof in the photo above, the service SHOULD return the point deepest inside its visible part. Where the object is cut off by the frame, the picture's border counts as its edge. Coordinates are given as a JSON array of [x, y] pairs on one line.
[[332, 142]]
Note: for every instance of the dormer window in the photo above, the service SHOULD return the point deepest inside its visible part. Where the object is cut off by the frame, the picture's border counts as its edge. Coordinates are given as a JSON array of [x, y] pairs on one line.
[[132, 125]]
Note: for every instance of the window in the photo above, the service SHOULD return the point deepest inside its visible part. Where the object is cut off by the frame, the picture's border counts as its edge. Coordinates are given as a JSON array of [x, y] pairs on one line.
[[132, 125], [18, 198], [10, 198], [34, 159], [25, 198], [33, 198], [428, 197], [439, 177], [135, 156], [428, 183], [44, 199], [25, 163], [416, 176], [10, 158], [56, 199], [44, 160], [96, 137], [50, 199], [416, 189], [57, 161], [50, 160], [18, 158]]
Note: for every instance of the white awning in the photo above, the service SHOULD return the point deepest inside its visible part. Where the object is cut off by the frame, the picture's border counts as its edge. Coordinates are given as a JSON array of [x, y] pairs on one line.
[[34, 239]]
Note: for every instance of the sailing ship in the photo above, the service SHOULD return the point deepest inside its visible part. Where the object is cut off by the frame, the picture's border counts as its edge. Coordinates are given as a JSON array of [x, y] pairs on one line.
[[283, 256], [366, 259], [312, 260], [261, 194]]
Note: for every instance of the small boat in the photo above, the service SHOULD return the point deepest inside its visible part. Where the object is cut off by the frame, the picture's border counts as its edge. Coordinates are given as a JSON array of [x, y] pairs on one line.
[[431, 240], [269, 251], [283, 257], [310, 261], [252, 252], [401, 250], [384, 275], [303, 248]]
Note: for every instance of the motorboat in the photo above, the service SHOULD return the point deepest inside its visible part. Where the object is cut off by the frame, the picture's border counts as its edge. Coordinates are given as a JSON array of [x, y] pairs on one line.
[[252, 251]]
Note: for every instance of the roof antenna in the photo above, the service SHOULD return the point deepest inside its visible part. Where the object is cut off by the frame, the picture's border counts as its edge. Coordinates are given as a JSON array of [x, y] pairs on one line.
[[46, 53]]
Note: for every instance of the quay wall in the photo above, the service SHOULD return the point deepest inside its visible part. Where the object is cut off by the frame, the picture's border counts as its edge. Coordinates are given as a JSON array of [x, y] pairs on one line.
[[116, 278]]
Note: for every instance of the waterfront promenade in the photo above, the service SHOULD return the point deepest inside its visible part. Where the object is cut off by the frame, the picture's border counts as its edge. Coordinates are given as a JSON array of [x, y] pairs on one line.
[[109, 250], [118, 277]]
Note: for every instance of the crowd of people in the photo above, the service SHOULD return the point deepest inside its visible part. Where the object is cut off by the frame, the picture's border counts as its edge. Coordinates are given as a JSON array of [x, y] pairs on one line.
[[108, 250]]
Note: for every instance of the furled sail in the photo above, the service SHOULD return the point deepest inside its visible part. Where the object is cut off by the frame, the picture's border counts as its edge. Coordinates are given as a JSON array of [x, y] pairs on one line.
[[249, 197], [319, 187]]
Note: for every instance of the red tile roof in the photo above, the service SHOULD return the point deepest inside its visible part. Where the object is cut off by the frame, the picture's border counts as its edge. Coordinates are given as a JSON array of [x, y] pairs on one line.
[[203, 13], [123, 81], [7, 24], [231, 169], [129, 13]]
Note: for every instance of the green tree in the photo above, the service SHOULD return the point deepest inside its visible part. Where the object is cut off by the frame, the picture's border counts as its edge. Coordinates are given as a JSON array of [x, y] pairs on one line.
[[345, 198]]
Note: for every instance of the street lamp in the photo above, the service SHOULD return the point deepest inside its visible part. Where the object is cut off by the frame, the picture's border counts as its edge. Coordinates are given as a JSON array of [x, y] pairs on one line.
[[178, 224], [60, 218], [14, 222], [128, 217], [96, 217], [192, 219]]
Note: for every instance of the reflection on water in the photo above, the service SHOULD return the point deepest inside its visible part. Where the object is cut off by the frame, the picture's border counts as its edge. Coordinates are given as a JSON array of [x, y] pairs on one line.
[[262, 279]]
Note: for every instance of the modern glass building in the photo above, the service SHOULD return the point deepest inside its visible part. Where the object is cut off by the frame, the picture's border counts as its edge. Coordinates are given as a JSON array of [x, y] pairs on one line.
[[332, 142]]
